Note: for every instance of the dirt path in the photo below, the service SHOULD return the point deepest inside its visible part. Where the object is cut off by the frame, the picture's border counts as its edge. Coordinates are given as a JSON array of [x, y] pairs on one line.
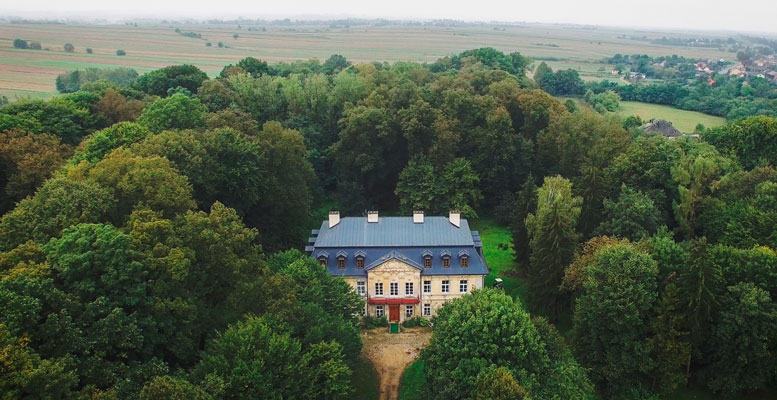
[[391, 354]]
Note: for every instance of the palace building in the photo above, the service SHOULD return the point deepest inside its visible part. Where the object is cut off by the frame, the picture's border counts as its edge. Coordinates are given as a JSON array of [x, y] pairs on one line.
[[404, 267]]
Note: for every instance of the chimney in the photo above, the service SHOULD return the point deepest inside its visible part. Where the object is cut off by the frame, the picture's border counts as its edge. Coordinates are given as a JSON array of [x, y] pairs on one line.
[[455, 218], [418, 217], [334, 218], [372, 216]]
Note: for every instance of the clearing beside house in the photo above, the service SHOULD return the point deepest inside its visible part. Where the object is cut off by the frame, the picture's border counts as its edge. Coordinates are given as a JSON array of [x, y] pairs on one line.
[[392, 353]]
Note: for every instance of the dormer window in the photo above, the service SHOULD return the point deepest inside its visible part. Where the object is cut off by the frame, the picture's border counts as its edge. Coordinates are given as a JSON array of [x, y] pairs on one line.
[[427, 259], [322, 261], [341, 262], [446, 261], [360, 257], [464, 260]]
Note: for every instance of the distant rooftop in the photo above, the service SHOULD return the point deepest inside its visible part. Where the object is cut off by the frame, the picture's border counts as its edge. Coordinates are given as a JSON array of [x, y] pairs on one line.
[[394, 232]]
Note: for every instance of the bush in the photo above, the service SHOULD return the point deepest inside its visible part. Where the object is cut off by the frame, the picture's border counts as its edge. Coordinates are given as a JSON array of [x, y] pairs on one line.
[[20, 43], [69, 47], [374, 322], [121, 53], [34, 45], [88, 50], [208, 44], [414, 322]]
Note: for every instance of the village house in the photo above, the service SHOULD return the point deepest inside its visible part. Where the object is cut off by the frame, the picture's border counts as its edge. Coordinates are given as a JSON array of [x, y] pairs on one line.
[[403, 267]]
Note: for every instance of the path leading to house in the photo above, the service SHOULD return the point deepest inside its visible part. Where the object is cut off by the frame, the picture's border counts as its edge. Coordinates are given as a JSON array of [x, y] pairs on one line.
[[392, 353]]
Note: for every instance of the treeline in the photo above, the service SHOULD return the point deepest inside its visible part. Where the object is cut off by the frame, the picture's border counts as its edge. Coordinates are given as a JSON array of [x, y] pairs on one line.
[[132, 249], [729, 97]]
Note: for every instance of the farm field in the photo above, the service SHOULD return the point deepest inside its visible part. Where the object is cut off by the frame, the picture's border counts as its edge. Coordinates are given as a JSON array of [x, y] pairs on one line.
[[684, 121], [31, 73]]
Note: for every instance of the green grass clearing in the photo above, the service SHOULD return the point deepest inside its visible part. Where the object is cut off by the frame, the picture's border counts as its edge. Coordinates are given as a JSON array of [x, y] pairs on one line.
[[413, 381], [500, 261], [684, 121]]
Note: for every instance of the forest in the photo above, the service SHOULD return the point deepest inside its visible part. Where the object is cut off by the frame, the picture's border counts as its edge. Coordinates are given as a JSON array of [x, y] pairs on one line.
[[152, 226]]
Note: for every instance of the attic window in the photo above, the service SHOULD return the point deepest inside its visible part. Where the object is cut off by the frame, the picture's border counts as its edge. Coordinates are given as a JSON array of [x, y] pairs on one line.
[[340, 262], [446, 261], [428, 262], [464, 260], [322, 261], [360, 262]]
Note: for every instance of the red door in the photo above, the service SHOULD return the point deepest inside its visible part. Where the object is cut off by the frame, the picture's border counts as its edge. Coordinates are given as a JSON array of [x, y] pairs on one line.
[[394, 312]]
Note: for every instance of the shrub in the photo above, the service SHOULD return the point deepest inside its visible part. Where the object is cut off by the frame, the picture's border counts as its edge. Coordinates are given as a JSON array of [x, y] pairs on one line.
[[88, 50], [208, 44], [121, 53], [35, 45], [69, 47], [20, 43], [373, 322]]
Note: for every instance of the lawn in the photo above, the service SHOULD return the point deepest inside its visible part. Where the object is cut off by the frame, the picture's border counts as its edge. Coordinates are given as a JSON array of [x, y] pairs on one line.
[[684, 121], [413, 381], [500, 261], [364, 381]]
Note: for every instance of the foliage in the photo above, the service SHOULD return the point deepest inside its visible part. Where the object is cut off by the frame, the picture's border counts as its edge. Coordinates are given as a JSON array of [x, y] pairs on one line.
[[259, 359], [160, 81], [552, 241], [56, 117], [484, 330], [742, 343], [175, 112], [634, 216], [423, 187], [26, 160], [752, 140], [70, 82], [611, 317]]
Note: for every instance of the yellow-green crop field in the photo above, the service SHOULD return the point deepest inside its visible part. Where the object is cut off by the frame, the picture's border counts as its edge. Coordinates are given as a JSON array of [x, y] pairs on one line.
[[32, 73]]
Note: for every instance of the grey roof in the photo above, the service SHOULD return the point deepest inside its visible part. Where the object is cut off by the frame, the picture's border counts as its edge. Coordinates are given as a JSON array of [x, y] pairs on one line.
[[394, 232], [661, 126], [413, 256]]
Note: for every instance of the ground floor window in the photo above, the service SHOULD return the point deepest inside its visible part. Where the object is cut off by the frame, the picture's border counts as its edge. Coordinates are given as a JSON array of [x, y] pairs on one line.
[[427, 309], [462, 286], [409, 311], [379, 311], [360, 288]]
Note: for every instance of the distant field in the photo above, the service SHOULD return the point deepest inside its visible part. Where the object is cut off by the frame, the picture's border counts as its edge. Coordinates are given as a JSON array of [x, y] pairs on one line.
[[32, 73], [684, 121]]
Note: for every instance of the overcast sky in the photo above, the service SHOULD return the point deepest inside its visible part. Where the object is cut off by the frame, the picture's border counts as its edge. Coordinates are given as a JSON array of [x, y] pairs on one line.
[[741, 15]]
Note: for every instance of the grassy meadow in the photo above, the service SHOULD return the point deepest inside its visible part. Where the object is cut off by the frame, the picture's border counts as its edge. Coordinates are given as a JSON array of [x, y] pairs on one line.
[[31, 73], [684, 121]]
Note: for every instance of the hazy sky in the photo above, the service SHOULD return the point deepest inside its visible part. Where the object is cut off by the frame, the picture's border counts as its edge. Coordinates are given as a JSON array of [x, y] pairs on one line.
[[742, 15]]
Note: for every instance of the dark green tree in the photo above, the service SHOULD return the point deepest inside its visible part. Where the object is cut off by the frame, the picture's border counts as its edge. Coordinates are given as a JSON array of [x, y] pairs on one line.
[[552, 239]]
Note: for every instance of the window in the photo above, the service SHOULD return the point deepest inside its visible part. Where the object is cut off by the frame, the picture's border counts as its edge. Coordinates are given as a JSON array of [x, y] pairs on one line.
[[464, 261], [322, 261], [360, 262], [379, 289], [360, 288], [427, 309], [409, 288], [341, 263], [379, 311], [446, 286], [427, 286], [446, 262], [427, 262], [462, 286], [393, 289], [409, 311]]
